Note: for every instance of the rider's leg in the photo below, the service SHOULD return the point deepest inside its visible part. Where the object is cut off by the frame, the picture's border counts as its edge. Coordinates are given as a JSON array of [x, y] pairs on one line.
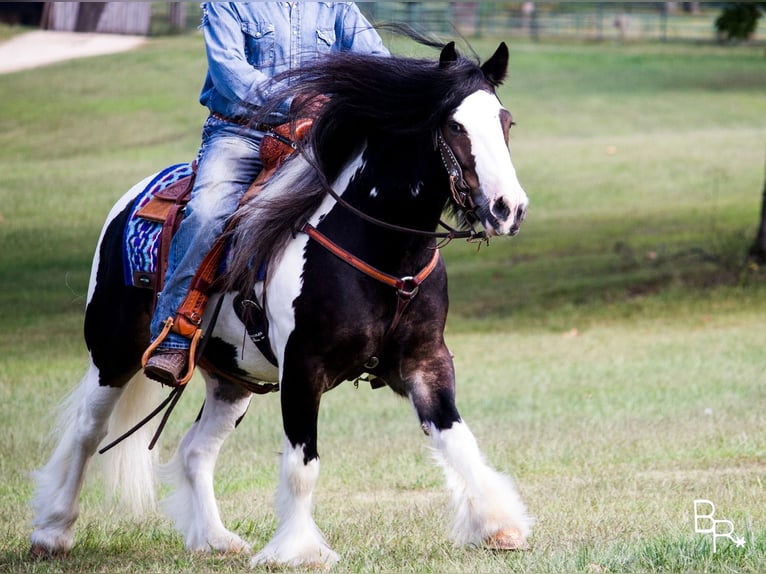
[[228, 162]]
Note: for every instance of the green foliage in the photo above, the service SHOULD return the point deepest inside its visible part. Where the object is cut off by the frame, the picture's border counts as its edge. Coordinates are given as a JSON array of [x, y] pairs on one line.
[[610, 357], [739, 20]]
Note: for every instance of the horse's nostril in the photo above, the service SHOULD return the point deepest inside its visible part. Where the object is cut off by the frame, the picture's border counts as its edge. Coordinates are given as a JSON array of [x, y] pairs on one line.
[[501, 210], [521, 213]]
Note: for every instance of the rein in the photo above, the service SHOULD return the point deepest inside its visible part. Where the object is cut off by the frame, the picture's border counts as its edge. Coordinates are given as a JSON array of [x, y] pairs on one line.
[[458, 187]]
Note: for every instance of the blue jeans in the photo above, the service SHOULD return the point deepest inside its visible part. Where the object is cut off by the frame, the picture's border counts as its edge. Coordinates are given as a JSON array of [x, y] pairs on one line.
[[228, 162]]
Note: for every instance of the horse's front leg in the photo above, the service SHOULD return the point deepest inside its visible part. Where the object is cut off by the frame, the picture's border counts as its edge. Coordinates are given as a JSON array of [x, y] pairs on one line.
[[488, 509], [192, 504], [298, 541]]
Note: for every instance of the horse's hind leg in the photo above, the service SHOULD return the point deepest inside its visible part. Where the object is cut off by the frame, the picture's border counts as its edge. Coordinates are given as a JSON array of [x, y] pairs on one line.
[[488, 509], [192, 504], [82, 425]]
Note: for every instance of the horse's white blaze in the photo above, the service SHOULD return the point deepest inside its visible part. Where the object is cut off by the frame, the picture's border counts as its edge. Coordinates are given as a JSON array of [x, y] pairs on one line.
[[484, 500], [297, 541], [479, 114]]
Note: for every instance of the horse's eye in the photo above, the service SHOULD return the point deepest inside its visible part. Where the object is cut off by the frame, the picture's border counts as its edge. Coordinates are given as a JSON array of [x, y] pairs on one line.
[[455, 128]]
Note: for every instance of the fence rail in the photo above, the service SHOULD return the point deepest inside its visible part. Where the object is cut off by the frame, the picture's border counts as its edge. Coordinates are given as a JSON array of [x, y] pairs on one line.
[[595, 21], [600, 21]]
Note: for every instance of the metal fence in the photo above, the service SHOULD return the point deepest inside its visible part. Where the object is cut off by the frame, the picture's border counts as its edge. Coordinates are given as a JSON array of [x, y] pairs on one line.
[[596, 21], [539, 21]]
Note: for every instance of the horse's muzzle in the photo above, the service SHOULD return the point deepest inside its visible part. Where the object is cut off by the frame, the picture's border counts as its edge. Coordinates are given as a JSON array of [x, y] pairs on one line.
[[504, 219]]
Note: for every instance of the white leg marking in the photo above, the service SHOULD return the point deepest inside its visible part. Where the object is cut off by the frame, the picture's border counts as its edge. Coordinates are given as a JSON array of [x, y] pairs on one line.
[[485, 501], [192, 505], [81, 425], [297, 541]]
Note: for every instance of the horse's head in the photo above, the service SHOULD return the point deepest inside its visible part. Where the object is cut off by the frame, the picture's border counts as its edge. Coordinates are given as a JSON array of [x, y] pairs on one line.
[[473, 142]]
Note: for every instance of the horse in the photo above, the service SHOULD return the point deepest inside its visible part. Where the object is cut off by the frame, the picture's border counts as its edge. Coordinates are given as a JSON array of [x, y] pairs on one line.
[[347, 231]]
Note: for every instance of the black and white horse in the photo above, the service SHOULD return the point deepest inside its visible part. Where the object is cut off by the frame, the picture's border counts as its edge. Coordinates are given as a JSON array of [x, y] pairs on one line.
[[399, 141]]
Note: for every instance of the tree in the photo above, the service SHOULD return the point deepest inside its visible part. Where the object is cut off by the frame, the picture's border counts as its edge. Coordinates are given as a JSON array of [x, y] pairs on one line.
[[88, 15], [738, 21], [177, 16], [758, 248]]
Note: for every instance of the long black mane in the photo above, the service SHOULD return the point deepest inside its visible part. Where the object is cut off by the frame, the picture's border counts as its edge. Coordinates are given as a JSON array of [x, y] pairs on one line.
[[369, 97]]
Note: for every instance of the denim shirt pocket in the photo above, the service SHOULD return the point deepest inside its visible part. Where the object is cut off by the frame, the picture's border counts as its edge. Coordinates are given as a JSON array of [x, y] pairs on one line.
[[260, 40], [325, 40]]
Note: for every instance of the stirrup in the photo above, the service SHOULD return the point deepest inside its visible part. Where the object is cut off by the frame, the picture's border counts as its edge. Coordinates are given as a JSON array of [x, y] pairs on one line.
[[192, 363]]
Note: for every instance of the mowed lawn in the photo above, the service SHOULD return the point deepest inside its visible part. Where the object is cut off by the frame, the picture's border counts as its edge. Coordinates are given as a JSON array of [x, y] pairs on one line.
[[611, 358]]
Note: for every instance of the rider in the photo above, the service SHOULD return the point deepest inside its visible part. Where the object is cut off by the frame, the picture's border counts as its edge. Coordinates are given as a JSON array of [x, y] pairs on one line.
[[247, 44]]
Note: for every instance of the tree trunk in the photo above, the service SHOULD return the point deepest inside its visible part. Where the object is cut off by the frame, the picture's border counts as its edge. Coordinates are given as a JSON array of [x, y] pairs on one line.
[[88, 15], [758, 249], [177, 16]]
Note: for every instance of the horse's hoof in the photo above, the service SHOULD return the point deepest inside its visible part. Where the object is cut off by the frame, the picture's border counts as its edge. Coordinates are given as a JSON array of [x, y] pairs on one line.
[[508, 539], [41, 552]]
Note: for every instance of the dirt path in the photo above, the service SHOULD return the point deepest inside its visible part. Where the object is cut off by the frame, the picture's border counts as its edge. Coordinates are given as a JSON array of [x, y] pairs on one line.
[[42, 47]]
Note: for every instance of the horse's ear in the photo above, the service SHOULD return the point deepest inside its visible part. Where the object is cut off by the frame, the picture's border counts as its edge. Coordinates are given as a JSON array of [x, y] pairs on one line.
[[448, 55], [497, 66]]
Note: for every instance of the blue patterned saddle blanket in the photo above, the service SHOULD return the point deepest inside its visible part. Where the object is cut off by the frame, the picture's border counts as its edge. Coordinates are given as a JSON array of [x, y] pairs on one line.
[[142, 235]]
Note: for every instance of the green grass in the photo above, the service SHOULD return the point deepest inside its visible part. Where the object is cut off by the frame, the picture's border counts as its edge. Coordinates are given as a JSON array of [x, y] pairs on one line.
[[610, 358]]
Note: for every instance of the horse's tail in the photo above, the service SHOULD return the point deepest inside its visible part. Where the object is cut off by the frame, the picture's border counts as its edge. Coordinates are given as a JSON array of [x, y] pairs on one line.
[[129, 467]]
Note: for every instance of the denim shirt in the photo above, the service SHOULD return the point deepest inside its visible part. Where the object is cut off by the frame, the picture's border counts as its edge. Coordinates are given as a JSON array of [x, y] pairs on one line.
[[248, 43]]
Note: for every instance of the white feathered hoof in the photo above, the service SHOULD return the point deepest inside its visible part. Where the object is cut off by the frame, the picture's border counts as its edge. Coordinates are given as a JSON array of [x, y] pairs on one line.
[[507, 539], [227, 543], [317, 558]]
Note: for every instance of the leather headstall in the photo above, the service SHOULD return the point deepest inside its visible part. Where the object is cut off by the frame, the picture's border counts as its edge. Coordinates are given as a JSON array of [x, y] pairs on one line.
[[461, 191]]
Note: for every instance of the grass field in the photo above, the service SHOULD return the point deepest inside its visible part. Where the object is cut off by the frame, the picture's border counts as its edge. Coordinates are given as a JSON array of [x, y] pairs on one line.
[[611, 358]]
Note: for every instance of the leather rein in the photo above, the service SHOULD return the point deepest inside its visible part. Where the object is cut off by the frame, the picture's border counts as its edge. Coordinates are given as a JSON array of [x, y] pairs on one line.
[[461, 193]]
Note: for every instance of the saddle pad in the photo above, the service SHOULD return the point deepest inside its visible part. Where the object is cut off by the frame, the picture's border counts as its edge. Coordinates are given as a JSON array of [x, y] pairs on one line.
[[142, 236]]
